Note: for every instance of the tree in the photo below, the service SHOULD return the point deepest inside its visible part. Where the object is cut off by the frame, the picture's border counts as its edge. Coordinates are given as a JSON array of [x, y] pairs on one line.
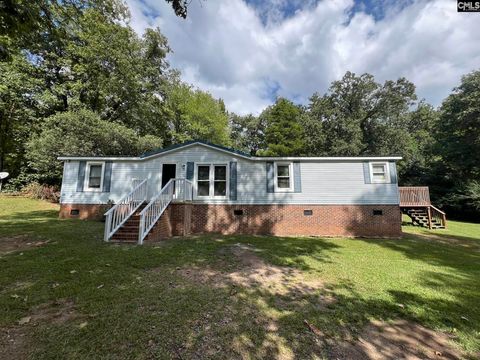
[[87, 60], [459, 128], [359, 116], [113, 72], [18, 105], [31, 24], [195, 115], [82, 133], [418, 149], [23, 24], [458, 144], [283, 133], [247, 132]]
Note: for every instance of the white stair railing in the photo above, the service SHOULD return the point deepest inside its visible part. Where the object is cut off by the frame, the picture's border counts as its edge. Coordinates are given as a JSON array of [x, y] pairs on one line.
[[126, 207], [175, 189], [155, 208], [183, 190]]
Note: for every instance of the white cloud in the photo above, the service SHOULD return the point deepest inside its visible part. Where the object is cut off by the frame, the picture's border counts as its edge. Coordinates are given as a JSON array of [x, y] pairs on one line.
[[245, 54]]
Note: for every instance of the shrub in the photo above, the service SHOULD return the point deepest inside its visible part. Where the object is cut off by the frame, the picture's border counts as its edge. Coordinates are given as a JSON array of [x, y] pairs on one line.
[[34, 190]]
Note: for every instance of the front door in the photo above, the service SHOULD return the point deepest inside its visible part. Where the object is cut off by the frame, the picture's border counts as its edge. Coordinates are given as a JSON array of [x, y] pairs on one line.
[[168, 172]]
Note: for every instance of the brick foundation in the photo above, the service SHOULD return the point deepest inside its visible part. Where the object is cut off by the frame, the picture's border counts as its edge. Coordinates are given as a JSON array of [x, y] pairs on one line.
[[85, 211], [280, 220], [288, 220], [164, 227]]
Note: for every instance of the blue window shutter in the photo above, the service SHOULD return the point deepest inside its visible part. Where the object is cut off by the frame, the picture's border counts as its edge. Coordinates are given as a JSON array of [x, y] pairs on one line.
[[81, 175], [270, 175], [189, 174], [233, 180], [107, 176], [393, 172], [366, 173], [297, 179]]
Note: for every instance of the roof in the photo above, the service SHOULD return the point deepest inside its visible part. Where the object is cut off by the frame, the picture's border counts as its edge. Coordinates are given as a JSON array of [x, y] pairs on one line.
[[192, 142], [228, 150]]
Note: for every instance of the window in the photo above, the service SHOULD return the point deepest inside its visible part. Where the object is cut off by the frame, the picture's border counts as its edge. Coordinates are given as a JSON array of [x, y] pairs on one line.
[[212, 180], [220, 181], [94, 176], [308, 212], [283, 177], [379, 172], [203, 180]]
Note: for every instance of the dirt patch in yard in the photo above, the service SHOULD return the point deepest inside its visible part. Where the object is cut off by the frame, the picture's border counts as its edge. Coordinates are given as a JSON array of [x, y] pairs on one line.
[[241, 266], [281, 280], [17, 243], [400, 339], [15, 341]]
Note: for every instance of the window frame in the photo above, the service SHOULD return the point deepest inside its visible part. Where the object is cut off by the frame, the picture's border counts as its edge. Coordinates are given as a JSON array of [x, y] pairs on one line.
[[386, 166], [290, 176], [87, 176], [211, 181]]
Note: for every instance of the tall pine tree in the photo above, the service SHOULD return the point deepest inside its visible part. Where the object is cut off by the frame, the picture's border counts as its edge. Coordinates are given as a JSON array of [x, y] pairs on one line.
[[284, 133]]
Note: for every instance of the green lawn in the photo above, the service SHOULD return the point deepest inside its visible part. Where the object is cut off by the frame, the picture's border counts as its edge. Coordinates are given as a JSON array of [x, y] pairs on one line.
[[198, 297]]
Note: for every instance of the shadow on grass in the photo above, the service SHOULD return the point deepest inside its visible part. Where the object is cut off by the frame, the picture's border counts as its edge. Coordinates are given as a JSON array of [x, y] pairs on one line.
[[135, 315], [46, 224], [432, 252]]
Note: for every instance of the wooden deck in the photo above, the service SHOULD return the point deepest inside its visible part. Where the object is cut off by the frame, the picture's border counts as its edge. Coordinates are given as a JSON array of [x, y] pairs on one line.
[[414, 196], [415, 202]]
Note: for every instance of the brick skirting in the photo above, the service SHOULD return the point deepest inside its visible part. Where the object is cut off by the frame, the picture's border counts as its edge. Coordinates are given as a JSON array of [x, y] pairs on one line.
[[289, 220], [280, 220], [83, 211]]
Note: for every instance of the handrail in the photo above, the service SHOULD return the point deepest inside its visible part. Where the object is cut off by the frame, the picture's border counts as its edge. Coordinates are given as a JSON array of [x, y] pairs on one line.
[[185, 192], [438, 215], [173, 190], [126, 206], [437, 210], [155, 208]]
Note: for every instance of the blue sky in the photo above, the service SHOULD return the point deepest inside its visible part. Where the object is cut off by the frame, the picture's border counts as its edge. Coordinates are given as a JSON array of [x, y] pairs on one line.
[[249, 51]]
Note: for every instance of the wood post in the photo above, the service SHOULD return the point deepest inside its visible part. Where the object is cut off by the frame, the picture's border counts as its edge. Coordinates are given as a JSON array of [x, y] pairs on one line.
[[429, 218]]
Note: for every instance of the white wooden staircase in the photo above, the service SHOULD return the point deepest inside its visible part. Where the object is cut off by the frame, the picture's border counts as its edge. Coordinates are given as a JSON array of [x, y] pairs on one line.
[[132, 218]]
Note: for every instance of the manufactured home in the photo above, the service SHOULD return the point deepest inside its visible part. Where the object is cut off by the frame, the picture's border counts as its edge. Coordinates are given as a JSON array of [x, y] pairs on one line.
[[198, 187]]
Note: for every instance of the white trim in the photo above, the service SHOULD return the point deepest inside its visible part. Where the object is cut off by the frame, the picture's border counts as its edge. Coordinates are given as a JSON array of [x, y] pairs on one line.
[[348, 158], [252, 158], [290, 176], [87, 176], [211, 181], [290, 158], [386, 167]]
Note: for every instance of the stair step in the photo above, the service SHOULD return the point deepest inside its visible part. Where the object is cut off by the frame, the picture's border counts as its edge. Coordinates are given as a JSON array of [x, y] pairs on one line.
[[116, 241]]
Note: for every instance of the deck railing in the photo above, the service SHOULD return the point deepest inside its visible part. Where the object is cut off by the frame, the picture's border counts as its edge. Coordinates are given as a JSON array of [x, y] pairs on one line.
[[414, 196], [121, 212], [183, 190], [178, 189], [437, 215]]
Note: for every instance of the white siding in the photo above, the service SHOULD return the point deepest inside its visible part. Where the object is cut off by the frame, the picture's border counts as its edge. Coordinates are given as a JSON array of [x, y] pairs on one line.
[[323, 182]]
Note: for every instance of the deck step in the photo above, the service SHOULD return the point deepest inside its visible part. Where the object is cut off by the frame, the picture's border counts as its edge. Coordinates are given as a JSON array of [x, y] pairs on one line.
[[420, 216], [128, 233]]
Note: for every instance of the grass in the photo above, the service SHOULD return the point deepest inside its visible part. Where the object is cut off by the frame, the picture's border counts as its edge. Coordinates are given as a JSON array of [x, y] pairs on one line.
[[132, 301]]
